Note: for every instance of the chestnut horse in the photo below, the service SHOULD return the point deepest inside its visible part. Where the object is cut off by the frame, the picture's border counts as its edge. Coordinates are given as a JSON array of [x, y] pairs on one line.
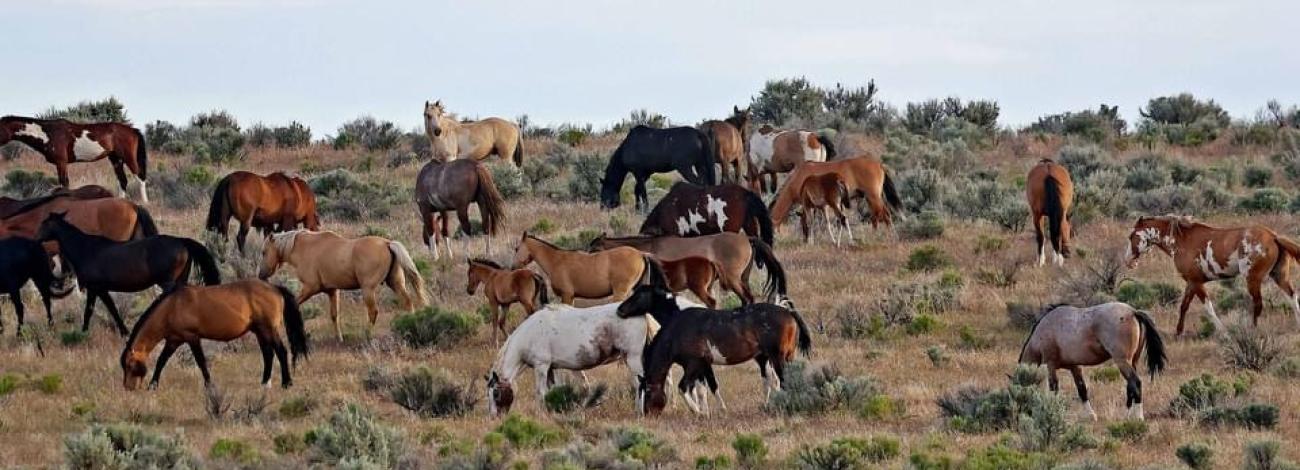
[[9, 206], [774, 151], [827, 193], [454, 185], [613, 272], [503, 288], [694, 273], [62, 142], [273, 203], [1051, 194], [112, 218], [735, 254], [223, 313], [689, 210], [1203, 253], [729, 145], [452, 139], [863, 177]]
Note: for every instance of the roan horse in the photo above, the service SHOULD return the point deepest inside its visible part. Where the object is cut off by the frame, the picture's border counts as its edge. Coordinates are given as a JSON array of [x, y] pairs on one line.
[[454, 185], [827, 193], [1050, 193], [9, 206], [613, 272], [452, 139], [735, 254], [689, 210], [646, 151], [23, 260], [1203, 253], [772, 151], [62, 142], [729, 145], [327, 262], [1068, 338], [112, 218], [273, 203], [224, 313], [863, 177], [503, 288]]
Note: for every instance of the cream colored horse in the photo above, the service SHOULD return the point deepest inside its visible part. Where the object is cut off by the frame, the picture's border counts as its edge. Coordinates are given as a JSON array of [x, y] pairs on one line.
[[452, 139], [613, 272], [327, 262]]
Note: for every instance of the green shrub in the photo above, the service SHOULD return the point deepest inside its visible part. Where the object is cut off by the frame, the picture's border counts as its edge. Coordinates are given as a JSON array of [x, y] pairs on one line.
[[1251, 416], [928, 258], [926, 226], [937, 357], [902, 303], [882, 407], [234, 450], [641, 445], [720, 462], [434, 327], [543, 226], [1128, 430], [1001, 457], [73, 337], [524, 433], [1263, 455], [1199, 394], [1022, 316], [370, 133], [1196, 456], [352, 434], [565, 398], [1082, 161], [297, 407], [123, 447], [288, 443], [1147, 295], [342, 194], [1249, 348], [585, 176], [8, 383], [183, 188], [1106, 374], [847, 453], [751, 451], [1289, 368], [1265, 200], [49, 384], [509, 179], [431, 395], [922, 324], [810, 390], [1255, 176], [90, 111], [24, 184]]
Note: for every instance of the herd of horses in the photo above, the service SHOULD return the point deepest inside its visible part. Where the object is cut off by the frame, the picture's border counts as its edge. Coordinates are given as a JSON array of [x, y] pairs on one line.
[[706, 232]]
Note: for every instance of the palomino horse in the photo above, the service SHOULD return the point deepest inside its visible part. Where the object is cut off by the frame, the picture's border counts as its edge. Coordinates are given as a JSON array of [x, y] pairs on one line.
[[327, 262], [9, 206], [454, 185], [699, 338], [452, 139], [1050, 193], [694, 273], [736, 254], [1203, 253], [224, 313], [1069, 338], [112, 218], [103, 265], [567, 338], [646, 151], [689, 210], [729, 145], [273, 203], [613, 272], [63, 142], [23, 260], [772, 151], [863, 177], [827, 193], [503, 288]]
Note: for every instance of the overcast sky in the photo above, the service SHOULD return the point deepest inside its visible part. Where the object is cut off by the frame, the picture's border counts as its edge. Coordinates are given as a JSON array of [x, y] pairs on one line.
[[326, 61]]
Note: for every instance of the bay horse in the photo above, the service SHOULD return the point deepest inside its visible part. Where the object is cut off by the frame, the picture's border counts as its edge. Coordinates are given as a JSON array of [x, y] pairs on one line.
[[646, 151], [825, 192], [504, 287], [23, 260], [579, 274], [63, 142], [9, 206], [103, 265], [273, 203], [735, 254], [454, 185], [729, 145], [326, 262], [699, 338], [112, 218], [190, 314], [773, 151], [863, 178], [689, 210], [1051, 195], [694, 273], [1070, 338], [452, 139], [1203, 253]]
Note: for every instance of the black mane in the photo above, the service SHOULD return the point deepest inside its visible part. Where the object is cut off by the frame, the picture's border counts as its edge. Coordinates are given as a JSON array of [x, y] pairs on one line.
[[486, 262]]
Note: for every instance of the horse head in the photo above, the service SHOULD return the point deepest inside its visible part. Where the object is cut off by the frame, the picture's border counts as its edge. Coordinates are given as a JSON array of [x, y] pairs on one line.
[[650, 399], [133, 370], [523, 255], [654, 299], [433, 113], [473, 276], [275, 251], [54, 224], [500, 394], [1149, 232], [611, 193]]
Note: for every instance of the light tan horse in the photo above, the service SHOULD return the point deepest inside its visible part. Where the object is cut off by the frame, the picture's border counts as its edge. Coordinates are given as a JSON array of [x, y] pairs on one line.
[[863, 177], [452, 139], [824, 192], [1050, 193], [773, 151], [327, 262], [503, 288], [615, 271]]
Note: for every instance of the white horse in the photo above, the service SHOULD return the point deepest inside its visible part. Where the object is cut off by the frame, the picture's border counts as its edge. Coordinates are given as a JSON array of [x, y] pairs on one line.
[[568, 338]]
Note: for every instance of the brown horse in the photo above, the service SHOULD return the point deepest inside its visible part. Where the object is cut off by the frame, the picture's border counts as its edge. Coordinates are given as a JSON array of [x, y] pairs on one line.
[[1203, 253], [217, 313], [505, 287], [1050, 193], [696, 274], [729, 146], [827, 193], [454, 185], [273, 203], [1069, 338], [452, 139], [62, 142], [735, 254], [613, 272], [773, 151], [112, 218], [863, 177], [690, 210], [9, 206], [327, 262]]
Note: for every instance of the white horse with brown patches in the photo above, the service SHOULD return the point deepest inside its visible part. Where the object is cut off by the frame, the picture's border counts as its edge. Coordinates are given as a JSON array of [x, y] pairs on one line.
[[774, 151], [1203, 253]]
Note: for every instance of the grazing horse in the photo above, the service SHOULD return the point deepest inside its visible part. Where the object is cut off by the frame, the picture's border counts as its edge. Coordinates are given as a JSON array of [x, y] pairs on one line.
[[694, 273], [62, 142], [9, 206], [273, 203], [772, 151], [586, 275], [1069, 338], [503, 288], [646, 151], [454, 185], [452, 139], [567, 338], [863, 177], [729, 145], [223, 313], [1050, 193], [699, 338], [112, 218], [735, 254], [23, 260], [825, 192], [327, 262], [688, 210], [1203, 253]]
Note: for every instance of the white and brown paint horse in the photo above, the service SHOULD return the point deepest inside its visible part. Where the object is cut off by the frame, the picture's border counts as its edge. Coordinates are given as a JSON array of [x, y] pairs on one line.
[[1203, 253], [62, 142], [773, 151], [452, 139], [690, 210], [1051, 195]]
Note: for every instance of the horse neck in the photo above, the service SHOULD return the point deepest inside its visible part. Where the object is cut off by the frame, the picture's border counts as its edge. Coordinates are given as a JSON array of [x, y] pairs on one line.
[[616, 171], [544, 254], [658, 360], [510, 362], [77, 243], [145, 338]]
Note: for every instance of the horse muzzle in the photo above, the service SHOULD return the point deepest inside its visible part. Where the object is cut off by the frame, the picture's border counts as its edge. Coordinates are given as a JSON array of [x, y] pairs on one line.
[[437, 132]]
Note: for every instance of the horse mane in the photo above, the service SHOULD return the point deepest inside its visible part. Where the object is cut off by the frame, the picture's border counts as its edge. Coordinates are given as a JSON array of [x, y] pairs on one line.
[[1045, 160], [486, 262], [544, 242], [1038, 320], [139, 323], [32, 204], [284, 241]]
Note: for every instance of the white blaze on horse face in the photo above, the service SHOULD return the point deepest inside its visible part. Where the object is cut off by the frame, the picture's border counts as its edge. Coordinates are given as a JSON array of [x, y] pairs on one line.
[[34, 131], [85, 148], [715, 355], [718, 208]]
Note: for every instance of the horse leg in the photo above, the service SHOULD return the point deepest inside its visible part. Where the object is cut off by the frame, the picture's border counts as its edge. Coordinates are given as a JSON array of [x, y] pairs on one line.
[[16, 298], [168, 348], [642, 198], [542, 375], [701, 290], [762, 372], [1282, 277], [830, 228], [1038, 236], [1053, 383], [1080, 386], [713, 387], [120, 172], [1254, 283], [1132, 388], [1209, 309], [281, 354], [372, 308], [196, 348], [334, 313], [498, 320], [90, 310], [62, 170], [778, 366], [112, 310], [242, 235], [267, 355]]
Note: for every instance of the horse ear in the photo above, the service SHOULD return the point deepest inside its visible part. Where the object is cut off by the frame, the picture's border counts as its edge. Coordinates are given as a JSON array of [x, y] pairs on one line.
[[438, 103], [735, 109]]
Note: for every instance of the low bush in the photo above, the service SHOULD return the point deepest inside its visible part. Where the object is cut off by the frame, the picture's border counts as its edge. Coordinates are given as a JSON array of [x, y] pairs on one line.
[[928, 258], [431, 394], [751, 451], [342, 194], [1199, 394], [1263, 455], [524, 433], [1147, 295], [24, 184], [926, 226], [1128, 430], [585, 176], [809, 390], [1250, 416], [125, 446], [1249, 348], [183, 188], [234, 450], [288, 443], [1024, 405], [624, 447], [565, 398], [435, 327], [1265, 200], [1196, 456], [49, 384], [73, 337], [902, 303], [1255, 176], [509, 179], [1021, 315], [937, 357], [353, 435], [847, 453], [922, 324], [370, 133]]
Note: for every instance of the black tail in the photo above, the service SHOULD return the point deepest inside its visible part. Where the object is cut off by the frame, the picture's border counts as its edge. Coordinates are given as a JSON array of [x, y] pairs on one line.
[[219, 210], [144, 225], [805, 336], [543, 296], [293, 325], [755, 208], [891, 193], [518, 157], [706, 167], [490, 203], [764, 259], [1156, 359], [200, 255], [141, 154], [830, 148], [654, 272], [1054, 210]]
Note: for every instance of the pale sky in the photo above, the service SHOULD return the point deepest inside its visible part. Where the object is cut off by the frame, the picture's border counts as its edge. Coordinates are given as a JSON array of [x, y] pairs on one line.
[[326, 61]]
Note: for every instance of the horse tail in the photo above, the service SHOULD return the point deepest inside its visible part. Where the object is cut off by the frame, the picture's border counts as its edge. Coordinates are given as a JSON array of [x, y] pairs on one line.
[[141, 154], [1054, 210], [1156, 359], [754, 205], [830, 147], [144, 224], [294, 327], [489, 200], [200, 256], [543, 297], [518, 157], [763, 258], [403, 263], [891, 193], [706, 166], [219, 210], [1289, 246], [805, 336]]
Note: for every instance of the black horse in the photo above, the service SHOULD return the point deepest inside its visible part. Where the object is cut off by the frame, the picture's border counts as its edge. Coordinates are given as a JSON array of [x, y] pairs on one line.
[[647, 150], [23, 260], [103, 265], [690, 210]]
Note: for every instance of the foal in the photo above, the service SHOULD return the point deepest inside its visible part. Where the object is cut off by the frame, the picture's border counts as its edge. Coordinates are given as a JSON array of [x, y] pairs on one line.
[[504, 288], [694, 273], [826, 192]]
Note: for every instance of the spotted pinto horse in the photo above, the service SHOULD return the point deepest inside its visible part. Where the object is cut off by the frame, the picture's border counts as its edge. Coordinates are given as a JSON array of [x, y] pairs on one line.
[[691, 210]]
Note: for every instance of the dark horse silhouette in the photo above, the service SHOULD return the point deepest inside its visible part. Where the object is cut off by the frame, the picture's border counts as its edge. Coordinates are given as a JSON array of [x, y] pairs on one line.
[[454, 185], [273, 203], [103, 265], [691, 210], [63, 142], [647, 150], [22, 260]]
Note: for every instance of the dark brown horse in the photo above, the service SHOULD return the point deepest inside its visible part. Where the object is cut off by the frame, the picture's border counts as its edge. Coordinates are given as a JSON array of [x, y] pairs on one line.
[[690, 210], [63, 142], [273, 203], [9, 206], [729, 145], [23, 260], [113, 218], [1050, 193], [454, 185]]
